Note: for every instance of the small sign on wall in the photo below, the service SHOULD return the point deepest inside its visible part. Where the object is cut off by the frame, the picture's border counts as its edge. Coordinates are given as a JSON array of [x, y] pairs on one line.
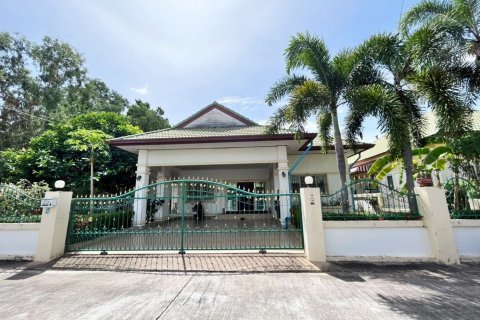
[[48, 203]]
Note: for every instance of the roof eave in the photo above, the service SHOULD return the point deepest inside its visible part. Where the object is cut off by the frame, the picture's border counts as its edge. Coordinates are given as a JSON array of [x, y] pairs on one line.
[[163, 141]]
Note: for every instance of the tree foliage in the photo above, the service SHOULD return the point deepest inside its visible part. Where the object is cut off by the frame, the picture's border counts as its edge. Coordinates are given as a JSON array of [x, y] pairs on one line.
[[140, 114], [319, 94], [42, 83], [62, 152]]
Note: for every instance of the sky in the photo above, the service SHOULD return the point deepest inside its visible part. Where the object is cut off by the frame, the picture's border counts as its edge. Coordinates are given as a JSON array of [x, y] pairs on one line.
[[184, 54]]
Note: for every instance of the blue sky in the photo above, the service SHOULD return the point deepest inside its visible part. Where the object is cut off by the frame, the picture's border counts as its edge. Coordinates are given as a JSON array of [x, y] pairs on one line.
[[182, 55]]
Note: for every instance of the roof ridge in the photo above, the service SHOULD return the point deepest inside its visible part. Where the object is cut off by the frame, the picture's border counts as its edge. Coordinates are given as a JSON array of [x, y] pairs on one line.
[[143, 133], [211, 106]]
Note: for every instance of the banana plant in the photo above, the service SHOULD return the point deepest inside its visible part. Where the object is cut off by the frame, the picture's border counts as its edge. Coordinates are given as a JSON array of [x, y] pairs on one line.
[[425, 161]]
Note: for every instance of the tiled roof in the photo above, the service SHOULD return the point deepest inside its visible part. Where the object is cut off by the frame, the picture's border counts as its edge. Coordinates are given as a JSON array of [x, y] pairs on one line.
[[381, 145], [173, 133], [431, 120]]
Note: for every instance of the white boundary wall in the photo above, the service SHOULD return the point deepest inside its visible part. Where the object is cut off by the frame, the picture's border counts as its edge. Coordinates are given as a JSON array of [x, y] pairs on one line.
[[467, 238], [377, 241], [18, 240]]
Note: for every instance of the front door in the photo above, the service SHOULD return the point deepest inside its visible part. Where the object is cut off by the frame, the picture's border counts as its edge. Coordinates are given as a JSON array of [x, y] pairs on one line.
[[245, 203]]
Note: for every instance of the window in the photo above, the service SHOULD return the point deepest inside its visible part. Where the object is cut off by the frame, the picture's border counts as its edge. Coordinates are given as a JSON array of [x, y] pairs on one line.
[[391, 186], [200, 192], [319, 181]]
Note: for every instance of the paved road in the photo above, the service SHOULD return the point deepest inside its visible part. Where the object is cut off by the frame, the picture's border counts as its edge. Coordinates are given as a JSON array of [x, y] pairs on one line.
[[340, 291]]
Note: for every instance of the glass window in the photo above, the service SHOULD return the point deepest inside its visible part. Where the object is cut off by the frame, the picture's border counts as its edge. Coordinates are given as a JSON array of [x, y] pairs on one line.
[[319, 181], [200, 191], [391, 186]]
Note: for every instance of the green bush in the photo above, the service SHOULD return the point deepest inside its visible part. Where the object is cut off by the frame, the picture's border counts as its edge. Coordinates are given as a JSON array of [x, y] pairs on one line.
[[340, 216], [103, 221]]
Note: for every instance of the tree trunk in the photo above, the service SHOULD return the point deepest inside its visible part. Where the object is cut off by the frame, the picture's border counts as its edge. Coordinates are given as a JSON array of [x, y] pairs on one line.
[[91, 181], [339, 149], [408, 163], [91, 175], [340, 153]]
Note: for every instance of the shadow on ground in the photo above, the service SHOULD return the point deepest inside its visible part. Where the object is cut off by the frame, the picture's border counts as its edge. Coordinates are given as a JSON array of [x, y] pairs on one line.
[[427, 290]]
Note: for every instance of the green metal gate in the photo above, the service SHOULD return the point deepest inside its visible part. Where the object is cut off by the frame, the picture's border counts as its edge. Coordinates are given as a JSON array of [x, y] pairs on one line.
[[187, 214]]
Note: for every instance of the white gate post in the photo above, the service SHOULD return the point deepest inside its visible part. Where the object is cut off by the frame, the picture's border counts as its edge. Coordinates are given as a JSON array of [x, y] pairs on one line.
[[313, 232], [53, 227], [433, 208]]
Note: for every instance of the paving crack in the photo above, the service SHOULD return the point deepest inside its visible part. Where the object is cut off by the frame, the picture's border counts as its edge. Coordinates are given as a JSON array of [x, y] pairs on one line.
[[174, 298]]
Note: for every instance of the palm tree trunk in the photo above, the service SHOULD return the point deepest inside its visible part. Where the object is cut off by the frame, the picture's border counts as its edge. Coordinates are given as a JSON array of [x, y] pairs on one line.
[[339, 149], [340, 153], [408, 163]]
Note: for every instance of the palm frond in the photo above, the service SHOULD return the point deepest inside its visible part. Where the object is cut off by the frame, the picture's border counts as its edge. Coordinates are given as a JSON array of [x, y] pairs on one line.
[[383, 103], [283, 87], [306, 51], [423, 12], [325, 123], [444, 94]]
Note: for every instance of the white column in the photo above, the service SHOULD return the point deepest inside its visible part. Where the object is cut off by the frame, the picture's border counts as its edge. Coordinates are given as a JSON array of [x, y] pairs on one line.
[[140, 202], [312, 221], [161, 208], [282, 187], [433, 207], [53, 227]]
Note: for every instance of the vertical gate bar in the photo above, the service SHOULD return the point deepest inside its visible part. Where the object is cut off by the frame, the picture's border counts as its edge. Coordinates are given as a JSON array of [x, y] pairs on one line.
[[183, 186]]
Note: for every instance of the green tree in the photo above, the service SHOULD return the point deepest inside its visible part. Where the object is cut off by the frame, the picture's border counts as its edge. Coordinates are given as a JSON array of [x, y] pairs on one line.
[[388, 98], [43, 83], [33, 78], [91, 141], [141, 115], [398, 83], [51, 158], [438, 24], [320, 95]]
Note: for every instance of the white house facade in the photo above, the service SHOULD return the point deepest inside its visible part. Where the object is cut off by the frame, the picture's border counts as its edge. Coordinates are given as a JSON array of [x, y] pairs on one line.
[[219, 144]]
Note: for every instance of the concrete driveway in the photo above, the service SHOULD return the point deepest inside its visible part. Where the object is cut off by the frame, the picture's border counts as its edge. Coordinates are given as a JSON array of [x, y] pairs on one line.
[[333, 291]]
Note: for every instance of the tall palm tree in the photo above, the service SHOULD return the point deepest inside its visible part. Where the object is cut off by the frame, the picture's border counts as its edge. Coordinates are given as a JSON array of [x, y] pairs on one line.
[[320, 94], [456, 22], [446, 35], [388, 98], [398, 84], [445, 31]]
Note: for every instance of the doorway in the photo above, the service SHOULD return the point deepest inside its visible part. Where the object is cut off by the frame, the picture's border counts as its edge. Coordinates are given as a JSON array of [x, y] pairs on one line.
[[245, 203]]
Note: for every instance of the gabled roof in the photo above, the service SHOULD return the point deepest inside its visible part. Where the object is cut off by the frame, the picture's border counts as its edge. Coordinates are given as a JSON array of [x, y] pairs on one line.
[[213, 124], [220, 116]]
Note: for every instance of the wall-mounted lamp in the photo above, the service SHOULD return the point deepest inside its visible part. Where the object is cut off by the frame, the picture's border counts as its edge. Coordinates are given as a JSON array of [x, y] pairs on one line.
[[309, 180], [139, 178], [284, 174], [59, 184]]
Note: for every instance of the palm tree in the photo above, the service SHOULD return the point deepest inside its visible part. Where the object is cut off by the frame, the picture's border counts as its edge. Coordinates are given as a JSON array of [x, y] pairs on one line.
[[399, 82], [319, 95], [455, 23], [442, 35], [389, 98]]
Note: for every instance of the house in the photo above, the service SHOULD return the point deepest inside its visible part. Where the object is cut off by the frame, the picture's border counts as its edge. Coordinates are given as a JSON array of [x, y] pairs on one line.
[[360, 163], [217, 143]]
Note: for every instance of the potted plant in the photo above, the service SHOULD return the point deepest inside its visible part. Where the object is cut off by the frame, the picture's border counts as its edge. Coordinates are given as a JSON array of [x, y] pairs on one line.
[[424, 179]]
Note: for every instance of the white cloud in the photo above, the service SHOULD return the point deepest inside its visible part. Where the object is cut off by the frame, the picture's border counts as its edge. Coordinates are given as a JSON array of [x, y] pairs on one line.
[[245, 104], [141, 91], [240, 101]]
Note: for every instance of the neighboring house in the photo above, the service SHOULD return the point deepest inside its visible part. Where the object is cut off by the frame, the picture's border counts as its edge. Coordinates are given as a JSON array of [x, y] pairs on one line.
[[360, 163], [217, 143]]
